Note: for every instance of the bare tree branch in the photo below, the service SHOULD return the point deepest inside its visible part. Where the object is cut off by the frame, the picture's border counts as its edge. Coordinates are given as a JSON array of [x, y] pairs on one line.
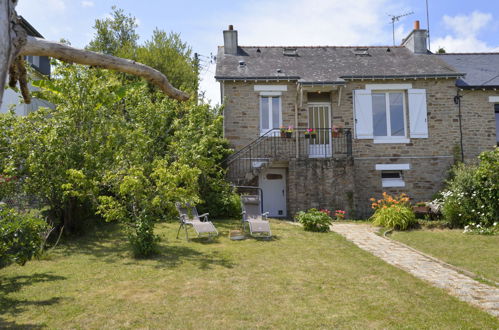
[[41, 47], [14, 42]]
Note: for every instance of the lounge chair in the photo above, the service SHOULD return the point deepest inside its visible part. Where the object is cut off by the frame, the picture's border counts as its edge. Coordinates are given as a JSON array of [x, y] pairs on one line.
[[253, 216], [188, 216]]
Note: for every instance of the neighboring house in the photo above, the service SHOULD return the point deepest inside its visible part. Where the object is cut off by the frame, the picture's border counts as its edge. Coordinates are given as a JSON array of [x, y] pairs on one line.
[[479, 97], [385, 119], [41, 66]]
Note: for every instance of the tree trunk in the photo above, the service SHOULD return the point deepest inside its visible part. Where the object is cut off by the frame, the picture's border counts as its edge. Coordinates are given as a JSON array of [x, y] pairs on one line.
[[14, 42], [69, 217]]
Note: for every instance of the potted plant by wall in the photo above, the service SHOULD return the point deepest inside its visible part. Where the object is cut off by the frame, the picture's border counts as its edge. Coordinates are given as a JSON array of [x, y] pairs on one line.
[[286, 132], [421, 207], [310, 133], [337, 131]]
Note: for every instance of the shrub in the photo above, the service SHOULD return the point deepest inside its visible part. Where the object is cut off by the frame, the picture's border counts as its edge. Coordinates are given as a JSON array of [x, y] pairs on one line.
[[393, 212], [472, 193], [389, 200], [398, 217], [21, 236], [314, 220], [476, 228]]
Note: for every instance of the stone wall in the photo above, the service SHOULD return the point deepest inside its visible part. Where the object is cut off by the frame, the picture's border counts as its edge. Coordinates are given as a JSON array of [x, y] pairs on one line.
[[429, 158], [423, 179], [242, 111], [320, 183], [479, 125]]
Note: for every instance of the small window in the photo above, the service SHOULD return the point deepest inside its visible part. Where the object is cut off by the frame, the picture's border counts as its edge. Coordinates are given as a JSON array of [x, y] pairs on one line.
[[272, 176], [392, 179], [36, 61]]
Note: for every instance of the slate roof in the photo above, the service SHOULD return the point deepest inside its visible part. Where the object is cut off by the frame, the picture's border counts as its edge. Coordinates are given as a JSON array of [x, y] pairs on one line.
[[482, 69], [328, 64]]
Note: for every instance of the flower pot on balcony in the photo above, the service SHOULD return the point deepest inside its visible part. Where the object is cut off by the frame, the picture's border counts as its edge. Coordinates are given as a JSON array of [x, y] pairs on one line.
[[289, 134], [336, 134]]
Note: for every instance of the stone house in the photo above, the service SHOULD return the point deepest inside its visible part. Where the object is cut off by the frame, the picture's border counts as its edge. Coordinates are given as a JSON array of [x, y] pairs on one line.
[[331, 127]]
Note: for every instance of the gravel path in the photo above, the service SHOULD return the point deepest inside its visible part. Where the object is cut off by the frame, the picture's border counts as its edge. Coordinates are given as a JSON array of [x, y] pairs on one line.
[[422, 266]]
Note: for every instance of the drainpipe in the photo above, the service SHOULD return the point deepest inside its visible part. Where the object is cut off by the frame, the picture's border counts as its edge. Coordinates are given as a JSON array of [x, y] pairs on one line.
[[296, 122], [457, 100]]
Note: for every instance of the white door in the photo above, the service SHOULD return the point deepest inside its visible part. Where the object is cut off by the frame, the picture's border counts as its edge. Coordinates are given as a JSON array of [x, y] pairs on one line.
[[272, 181], [319, 118]]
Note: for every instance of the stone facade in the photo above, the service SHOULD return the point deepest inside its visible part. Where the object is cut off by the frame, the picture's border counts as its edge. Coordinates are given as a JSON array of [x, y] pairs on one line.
[[320, 183], [479, 125], [349, 183]]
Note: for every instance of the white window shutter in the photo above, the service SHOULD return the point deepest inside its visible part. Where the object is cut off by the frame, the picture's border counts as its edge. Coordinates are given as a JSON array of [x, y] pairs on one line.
[[418, 113], [363, 113]]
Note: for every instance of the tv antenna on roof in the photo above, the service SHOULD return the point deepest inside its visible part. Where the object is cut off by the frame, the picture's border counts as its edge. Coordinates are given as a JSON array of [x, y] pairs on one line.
[[396, 18]]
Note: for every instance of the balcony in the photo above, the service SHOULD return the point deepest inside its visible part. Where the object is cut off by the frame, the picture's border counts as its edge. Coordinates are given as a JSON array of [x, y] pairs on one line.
[[275, 145]]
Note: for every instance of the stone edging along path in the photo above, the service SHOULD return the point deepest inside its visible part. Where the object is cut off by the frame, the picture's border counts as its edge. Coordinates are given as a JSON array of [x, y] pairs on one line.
[[424, 267]]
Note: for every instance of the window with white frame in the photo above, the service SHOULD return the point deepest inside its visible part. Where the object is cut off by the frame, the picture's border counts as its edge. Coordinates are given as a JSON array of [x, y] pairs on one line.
[[270, 113], [392, 175], [392, 179], [390, 113]]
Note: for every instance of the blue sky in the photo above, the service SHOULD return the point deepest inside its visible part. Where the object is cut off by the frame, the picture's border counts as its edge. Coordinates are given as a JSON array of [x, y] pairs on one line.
[[458, 26]]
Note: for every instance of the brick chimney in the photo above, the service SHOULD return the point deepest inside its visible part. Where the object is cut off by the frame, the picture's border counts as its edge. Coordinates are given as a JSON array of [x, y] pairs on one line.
[[230, 41], [416, 40]]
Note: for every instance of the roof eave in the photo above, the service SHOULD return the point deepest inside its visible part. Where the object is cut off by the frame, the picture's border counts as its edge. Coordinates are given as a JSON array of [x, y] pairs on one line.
[[405, 76], [257, 78]]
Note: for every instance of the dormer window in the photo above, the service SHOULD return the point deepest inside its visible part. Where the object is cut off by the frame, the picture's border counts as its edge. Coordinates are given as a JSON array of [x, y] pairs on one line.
[[290, 51], [361, 51]]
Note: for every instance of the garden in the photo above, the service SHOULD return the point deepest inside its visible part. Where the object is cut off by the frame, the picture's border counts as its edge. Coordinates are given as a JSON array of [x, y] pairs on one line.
[[300, 279], [88, 218]]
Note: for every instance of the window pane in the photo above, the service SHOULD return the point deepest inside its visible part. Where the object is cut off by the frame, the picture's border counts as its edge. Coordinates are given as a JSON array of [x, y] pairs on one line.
[[264, 113], [276, 109], [397, 114], [379, 114]]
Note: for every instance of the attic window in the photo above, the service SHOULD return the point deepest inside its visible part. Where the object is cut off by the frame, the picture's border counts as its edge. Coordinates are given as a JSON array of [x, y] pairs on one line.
[[361, 51], [290, 52]]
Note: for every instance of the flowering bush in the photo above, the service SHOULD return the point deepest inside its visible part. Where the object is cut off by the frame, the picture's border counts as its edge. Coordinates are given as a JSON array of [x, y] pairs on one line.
[[326, 211], [393, 212], [339, 214], [388, 200], [476, 228], [314, 220], [472, 194]]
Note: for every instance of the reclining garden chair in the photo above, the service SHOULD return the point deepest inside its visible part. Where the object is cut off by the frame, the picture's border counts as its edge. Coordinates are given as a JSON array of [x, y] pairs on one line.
[[253, 216], [188, 216]]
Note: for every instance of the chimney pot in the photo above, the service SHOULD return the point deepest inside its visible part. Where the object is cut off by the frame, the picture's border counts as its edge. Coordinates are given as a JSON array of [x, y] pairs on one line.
[[230, 41], [416, 25]]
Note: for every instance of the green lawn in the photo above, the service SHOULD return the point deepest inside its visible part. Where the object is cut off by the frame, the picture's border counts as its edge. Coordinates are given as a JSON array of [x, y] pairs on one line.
[[298, 280], [476, 253]]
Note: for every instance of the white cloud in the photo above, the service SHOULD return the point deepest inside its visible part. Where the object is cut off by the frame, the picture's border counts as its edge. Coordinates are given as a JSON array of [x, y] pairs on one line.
[[87, 3], [464, 33]]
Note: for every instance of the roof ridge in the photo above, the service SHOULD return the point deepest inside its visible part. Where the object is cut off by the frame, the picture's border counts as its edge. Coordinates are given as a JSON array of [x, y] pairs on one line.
[[319, 46], [479, 53]]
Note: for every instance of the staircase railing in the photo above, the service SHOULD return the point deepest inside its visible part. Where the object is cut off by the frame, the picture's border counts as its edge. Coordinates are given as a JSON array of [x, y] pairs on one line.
[[276, 145]]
